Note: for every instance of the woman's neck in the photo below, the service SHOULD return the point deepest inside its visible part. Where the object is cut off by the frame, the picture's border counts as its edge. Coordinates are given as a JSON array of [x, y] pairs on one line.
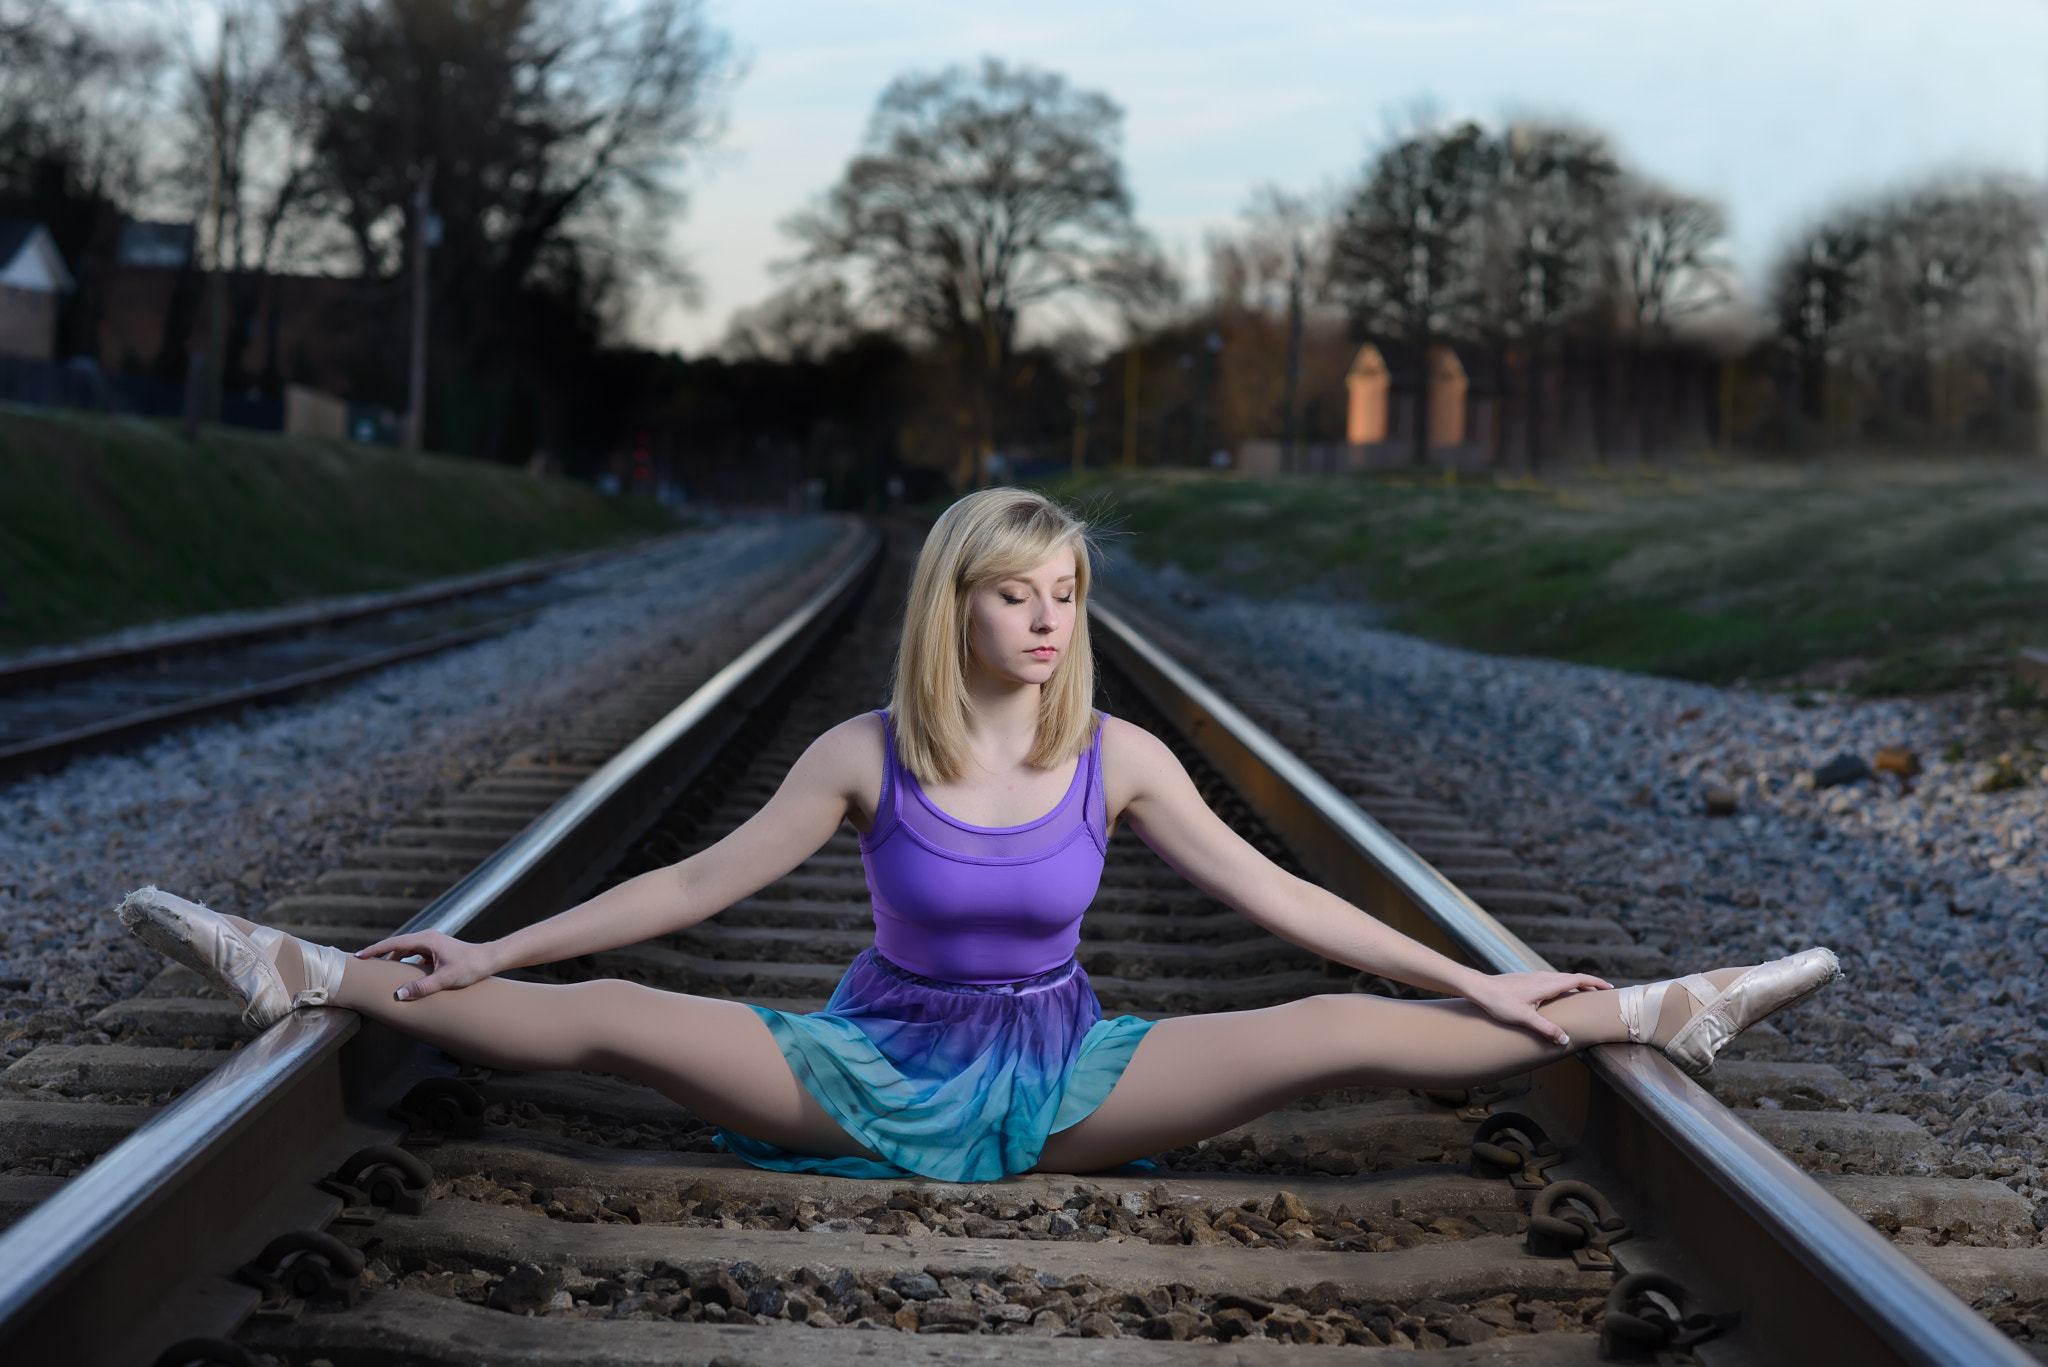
[[1002, 721]]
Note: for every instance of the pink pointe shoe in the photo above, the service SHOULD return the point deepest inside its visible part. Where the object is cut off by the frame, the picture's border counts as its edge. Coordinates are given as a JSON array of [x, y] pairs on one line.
[[241, 964], [1725, 1012]]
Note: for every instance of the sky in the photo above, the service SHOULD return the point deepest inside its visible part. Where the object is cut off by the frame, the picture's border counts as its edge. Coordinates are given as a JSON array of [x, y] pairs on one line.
[[1777, 108]]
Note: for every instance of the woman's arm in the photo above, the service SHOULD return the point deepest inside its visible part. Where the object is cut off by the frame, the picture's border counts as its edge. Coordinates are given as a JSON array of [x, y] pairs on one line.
[[1148, 788], [837, 776]]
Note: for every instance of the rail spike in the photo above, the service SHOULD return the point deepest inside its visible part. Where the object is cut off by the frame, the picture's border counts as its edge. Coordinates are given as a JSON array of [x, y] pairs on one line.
[[382, 1175], [1648, 1312], [304, 1265], [1592, 1227], [1511, 1145]]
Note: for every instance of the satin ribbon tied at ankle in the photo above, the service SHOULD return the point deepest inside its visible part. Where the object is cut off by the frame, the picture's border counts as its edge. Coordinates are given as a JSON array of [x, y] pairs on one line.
[[1642, 1006], [323, 969]]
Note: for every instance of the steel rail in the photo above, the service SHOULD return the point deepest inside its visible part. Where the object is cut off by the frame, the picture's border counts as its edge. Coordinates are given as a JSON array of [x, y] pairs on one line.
[[1881, 1299], [45, 752], [293, 1067], [58, 666]]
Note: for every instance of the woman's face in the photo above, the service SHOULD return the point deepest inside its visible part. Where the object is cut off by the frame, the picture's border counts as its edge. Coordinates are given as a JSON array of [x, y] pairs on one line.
[[1020, 626]]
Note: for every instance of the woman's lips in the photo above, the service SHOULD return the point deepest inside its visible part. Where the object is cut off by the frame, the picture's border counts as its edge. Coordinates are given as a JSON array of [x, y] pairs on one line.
[[1045, 652]]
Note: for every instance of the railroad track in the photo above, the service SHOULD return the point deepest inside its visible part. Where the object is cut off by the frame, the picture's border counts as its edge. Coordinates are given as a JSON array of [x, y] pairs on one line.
[[574, 1218], [58, 706]]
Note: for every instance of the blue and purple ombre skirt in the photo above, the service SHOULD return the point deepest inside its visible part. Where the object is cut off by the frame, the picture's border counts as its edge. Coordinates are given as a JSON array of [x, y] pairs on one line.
[[948, 1081]]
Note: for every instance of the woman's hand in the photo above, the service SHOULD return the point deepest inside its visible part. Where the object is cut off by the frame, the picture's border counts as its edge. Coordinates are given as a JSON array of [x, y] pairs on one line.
[[1512, 998], [450, 962]]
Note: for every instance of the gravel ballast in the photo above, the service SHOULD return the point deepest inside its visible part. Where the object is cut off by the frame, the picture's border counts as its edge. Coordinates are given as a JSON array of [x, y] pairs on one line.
[[241, 811], [1929, 886]]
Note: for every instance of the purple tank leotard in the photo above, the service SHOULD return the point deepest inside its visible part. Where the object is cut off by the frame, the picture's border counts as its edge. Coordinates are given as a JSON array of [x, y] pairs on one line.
[[983, 904], [968, 1034]]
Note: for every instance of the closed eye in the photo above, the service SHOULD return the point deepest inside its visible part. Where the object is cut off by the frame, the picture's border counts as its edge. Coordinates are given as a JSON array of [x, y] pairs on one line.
[[1013, 602]]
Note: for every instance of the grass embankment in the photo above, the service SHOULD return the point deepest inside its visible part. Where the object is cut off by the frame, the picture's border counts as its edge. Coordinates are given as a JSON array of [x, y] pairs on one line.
[[105, 523], [1883, 576]]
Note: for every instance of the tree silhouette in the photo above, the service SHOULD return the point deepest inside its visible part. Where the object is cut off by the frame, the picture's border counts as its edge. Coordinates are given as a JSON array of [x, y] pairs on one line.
[[1670, 263], [1548, 219], [1406, 252], [978, 195]]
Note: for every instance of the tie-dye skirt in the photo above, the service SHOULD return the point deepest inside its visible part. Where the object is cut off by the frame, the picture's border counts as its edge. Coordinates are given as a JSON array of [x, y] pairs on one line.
[[948, 1081]]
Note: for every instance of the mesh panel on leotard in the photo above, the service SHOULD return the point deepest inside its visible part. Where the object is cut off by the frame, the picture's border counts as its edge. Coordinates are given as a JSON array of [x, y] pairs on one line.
[[1032, 840], [1080, 814]]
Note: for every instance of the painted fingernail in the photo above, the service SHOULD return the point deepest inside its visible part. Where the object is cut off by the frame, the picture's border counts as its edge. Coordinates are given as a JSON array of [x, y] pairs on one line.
[[1564, 1039], [400, 994]]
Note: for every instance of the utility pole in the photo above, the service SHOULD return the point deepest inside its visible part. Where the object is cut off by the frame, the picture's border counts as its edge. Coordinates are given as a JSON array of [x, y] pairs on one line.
[[1133, 359], [1079, 403], [203, 373], [1211, 344], [1290, 440], [425, 233]]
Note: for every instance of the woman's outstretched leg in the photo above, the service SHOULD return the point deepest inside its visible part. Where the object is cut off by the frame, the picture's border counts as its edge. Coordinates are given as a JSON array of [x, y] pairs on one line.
[[1198, 1076], [715, 1057]]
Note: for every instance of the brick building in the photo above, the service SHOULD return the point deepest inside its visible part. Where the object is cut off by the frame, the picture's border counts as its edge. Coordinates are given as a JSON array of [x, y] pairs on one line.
[[32, 276]]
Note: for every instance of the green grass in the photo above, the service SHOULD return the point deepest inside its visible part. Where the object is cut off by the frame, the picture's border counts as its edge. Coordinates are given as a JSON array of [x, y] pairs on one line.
[[105, 523], [1911, 576]]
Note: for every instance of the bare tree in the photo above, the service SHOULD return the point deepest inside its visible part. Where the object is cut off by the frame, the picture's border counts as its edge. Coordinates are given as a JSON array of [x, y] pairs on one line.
[[72, 95], [1548, 218], [1907, 292], [1670, 263], [242, 120], [804, 323], [978, 196], [76, 103], [244, 171], [1671, 257], [557, 130], [1819, 287], [1405, 256], [1283, 257], [2023, 315]]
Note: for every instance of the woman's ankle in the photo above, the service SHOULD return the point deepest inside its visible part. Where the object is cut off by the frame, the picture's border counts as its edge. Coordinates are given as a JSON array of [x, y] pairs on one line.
[[287, 954], [1680, 1005]]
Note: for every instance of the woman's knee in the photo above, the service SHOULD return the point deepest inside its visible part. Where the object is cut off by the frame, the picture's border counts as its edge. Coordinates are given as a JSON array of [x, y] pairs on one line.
[[1341, 1014]]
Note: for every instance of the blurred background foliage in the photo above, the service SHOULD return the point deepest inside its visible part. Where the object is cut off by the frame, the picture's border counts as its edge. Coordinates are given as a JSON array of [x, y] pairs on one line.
[[976, 299], [978, 275], [1876, 576]]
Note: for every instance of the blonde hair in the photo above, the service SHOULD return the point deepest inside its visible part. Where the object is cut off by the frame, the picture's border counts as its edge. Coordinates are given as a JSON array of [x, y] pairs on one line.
[[982, 538]]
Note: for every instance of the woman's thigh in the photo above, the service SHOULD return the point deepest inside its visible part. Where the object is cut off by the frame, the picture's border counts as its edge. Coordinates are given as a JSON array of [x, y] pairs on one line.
[[715, 1057], [718, 1059], [1198, 1076]]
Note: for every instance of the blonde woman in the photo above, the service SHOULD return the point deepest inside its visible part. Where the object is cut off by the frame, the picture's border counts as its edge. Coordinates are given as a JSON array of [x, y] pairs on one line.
[[967, 1044]]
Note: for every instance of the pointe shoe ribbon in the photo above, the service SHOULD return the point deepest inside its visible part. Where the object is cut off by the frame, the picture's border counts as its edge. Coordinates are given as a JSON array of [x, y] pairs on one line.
[[237, 964], [323, 965], [1762, 991]]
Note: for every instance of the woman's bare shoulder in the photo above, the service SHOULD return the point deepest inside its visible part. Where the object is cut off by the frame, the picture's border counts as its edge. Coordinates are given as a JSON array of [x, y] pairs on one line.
[[856, 740], [1129, 741], [1135, 762], [847, 760]]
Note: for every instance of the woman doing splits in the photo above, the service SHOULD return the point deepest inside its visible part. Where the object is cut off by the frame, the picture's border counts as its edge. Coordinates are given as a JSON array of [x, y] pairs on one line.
[[967, 1044]]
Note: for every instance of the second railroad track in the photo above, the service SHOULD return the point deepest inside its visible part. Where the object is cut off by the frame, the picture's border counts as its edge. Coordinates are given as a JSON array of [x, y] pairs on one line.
[[57, 706]]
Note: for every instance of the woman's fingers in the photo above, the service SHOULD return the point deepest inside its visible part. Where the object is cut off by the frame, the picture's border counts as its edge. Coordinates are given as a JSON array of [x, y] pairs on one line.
[[404, 946], [1546, 1027], [397, 945], [1564, 986], [419, 987]]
